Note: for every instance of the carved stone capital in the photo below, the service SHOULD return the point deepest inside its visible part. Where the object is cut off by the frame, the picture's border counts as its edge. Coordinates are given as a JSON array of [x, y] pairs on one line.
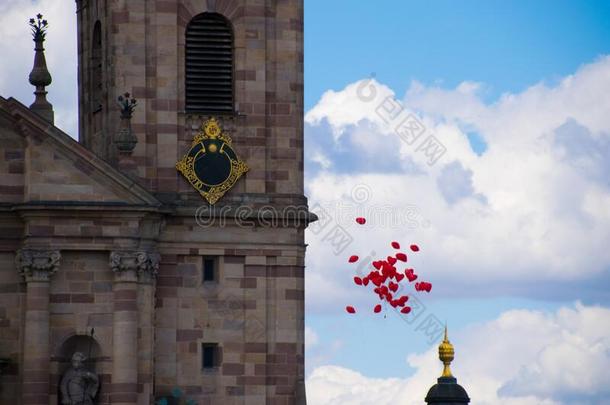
[[37, 265], [142, 266], [149, 266]]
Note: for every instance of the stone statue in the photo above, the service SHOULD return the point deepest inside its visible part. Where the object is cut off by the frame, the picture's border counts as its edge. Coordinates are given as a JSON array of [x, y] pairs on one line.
[[78, 386]]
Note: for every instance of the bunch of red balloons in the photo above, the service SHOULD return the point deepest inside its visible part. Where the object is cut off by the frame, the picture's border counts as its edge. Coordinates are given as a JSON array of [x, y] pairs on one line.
[[386, 278]]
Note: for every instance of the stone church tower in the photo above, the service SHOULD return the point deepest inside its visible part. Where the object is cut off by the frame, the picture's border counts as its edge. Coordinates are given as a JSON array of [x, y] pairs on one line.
[[109, 250]]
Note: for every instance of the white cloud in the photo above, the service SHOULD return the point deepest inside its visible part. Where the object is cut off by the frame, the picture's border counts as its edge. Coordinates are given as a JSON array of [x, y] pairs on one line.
[[349, 106], [532, 209], [16, 48], [520, 358], [321, 159]]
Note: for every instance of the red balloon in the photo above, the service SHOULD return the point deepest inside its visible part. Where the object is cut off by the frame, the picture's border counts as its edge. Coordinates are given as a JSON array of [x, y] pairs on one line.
[[410, 275], [423, 286], [361, 220], [386, 278], [386, 270]]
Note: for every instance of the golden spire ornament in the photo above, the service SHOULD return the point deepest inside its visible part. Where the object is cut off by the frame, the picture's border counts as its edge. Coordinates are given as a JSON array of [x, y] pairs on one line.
[[446, 355], [446, 391]]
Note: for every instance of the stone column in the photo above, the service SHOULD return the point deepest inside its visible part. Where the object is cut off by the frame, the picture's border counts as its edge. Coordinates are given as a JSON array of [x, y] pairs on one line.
[[37, 267], [146, 333], [127, 268]]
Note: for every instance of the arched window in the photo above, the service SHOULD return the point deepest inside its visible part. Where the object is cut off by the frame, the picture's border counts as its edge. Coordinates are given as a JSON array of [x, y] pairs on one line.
[[96, 68], [209, 64]]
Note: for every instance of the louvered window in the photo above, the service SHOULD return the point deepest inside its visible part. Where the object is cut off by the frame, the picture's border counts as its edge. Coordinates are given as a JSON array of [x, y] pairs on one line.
[[209, 64]]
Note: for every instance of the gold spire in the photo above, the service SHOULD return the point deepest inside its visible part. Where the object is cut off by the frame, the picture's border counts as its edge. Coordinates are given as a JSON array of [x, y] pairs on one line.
[[445, 354]]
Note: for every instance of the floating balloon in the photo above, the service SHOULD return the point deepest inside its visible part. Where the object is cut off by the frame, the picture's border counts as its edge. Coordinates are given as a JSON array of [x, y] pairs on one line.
[[423, 286], [386, 279]]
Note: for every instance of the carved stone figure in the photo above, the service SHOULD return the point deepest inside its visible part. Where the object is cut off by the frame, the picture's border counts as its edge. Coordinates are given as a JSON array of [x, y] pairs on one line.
[[78, 385]]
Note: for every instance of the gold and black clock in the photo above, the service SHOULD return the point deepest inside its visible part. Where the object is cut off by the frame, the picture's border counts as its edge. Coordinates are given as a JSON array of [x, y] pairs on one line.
[[211, 165]]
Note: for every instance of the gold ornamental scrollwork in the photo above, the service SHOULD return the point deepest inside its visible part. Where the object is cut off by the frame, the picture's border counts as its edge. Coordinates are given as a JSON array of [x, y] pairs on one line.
[[223, 168]]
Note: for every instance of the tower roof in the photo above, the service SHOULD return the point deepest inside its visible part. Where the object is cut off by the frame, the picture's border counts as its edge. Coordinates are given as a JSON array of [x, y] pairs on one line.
[[447, 391]]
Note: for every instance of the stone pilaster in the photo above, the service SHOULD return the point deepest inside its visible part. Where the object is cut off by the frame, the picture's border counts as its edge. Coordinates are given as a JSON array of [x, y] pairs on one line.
[[128, 268], [146, 306], [37, 267]]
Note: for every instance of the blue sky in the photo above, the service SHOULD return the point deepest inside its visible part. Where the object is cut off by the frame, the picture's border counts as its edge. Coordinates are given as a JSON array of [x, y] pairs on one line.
[[508, 45], [477, 72]]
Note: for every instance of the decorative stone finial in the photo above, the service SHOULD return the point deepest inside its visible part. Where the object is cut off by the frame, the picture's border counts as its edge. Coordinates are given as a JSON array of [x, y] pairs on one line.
[[125, 139], [40, 76], [446, 354]]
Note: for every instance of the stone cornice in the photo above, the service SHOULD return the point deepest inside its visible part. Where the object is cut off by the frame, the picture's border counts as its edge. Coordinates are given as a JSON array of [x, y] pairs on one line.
[[37, 265]]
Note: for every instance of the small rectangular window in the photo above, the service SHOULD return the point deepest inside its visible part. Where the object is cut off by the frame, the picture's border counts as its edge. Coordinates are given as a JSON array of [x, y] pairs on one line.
[[210, 269], [210, 356]]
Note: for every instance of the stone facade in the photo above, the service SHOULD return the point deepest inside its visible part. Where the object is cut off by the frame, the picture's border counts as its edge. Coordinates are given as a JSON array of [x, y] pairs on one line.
[[143, 53], [85, 245]]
